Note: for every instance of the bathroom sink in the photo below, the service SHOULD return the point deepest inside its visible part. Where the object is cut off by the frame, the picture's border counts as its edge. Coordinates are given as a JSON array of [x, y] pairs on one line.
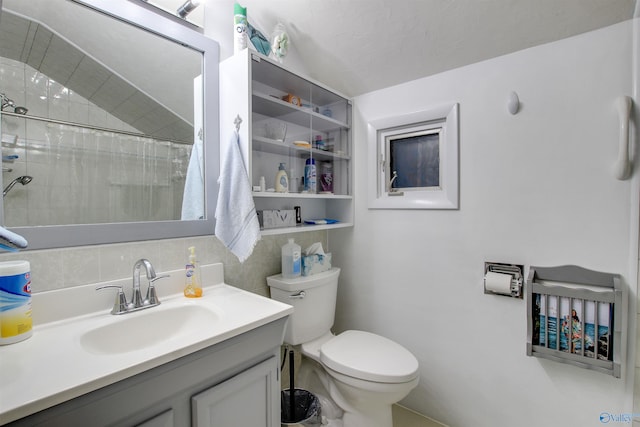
[[78, 347], [146, 328]]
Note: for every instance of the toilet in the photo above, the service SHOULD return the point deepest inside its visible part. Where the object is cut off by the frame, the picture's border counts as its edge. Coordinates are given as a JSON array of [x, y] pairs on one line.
[[364, 373]]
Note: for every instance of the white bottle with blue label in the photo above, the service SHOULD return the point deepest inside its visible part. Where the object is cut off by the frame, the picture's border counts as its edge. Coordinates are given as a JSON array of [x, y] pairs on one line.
[[291, 260], [310, 175]]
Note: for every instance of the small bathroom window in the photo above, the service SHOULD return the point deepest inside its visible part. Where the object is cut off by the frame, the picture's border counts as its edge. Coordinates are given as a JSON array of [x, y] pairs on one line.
[[416, 158]]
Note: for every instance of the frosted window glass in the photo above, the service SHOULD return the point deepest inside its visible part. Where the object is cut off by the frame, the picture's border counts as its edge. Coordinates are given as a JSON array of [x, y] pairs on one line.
[[416, 161]]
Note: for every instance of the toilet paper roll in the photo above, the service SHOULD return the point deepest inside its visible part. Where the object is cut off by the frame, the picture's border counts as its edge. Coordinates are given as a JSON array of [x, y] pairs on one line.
[[498, 283]]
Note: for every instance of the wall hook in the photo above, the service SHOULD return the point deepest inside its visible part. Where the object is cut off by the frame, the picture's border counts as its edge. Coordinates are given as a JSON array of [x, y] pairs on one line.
[[237, 121], [622, 167], [513, 103]]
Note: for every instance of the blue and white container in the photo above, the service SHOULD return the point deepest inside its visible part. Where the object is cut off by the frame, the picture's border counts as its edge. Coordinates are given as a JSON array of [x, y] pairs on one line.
[[16, 322], [310, 176]]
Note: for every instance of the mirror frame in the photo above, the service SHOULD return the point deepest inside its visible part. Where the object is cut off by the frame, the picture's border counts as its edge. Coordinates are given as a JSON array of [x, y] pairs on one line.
[[58, 236]]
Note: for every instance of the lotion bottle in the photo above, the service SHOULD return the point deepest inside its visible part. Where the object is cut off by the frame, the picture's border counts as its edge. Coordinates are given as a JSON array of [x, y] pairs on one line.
[[192, 282], [282, 180]]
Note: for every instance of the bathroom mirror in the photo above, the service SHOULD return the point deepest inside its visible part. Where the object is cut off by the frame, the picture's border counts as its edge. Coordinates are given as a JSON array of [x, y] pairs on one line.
[[104, 102]]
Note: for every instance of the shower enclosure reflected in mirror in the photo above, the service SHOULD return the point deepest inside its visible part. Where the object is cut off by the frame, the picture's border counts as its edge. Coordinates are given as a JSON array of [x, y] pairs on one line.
[[103, 103]]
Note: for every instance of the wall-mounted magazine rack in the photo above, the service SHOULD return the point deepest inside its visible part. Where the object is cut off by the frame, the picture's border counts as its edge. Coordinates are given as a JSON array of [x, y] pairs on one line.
[[577, 316]]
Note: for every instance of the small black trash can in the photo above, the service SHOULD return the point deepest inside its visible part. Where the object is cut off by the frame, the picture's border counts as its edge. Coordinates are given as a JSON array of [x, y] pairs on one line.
[[306, 408]]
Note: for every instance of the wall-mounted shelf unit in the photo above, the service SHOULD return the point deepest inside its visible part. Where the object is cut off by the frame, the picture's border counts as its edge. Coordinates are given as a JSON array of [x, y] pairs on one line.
[[577, 316], [288, 118]]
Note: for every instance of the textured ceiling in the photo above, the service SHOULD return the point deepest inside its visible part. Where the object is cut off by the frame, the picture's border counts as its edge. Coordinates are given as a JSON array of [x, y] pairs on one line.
[[353, 46], [357, 46]]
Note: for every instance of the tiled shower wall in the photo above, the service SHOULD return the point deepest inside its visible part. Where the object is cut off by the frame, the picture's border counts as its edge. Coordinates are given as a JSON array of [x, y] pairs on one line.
[[115, 177], [47, 98]]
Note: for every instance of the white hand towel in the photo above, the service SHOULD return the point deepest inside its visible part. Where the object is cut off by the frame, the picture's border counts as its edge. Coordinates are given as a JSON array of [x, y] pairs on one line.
[[237, 224], [193, 197]]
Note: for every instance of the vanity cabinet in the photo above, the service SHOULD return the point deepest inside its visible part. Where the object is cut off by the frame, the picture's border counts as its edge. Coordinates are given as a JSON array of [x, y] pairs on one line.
[[233, 383], [289, 119]]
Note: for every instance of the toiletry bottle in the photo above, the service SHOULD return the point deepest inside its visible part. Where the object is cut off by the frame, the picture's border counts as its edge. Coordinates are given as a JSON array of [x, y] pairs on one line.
[[326, 177], [263, 186], [240, 28], [282, 181], [292, 181], [291, 260], [310, 176], [193, 285]]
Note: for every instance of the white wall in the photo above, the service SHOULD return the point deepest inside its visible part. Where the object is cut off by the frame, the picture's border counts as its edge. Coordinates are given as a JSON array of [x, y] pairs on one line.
[[536, 188], [636, 190]]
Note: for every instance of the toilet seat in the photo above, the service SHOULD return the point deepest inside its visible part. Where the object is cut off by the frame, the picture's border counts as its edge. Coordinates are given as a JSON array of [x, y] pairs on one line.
[[369, 357]]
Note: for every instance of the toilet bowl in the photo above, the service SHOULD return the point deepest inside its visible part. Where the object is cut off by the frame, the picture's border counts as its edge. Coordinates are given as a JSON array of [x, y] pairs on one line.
[[363, 373]]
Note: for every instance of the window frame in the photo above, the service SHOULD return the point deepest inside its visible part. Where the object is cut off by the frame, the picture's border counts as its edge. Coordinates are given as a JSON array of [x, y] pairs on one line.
[[443, 120]]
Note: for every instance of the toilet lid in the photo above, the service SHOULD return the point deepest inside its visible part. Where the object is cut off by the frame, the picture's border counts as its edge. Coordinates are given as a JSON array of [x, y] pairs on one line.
[[369, 357]]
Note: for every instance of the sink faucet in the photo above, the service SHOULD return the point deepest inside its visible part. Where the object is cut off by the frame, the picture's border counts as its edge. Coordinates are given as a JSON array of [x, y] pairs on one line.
[[121, 305], [136, 297]]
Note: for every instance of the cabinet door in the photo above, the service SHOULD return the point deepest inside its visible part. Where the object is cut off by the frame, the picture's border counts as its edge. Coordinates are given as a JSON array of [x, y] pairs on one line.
[[248, 399], [163, 420], [289, 119]]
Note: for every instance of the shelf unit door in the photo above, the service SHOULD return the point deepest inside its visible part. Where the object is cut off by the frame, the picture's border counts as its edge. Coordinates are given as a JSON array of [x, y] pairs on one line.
[[253, 87], [235, 100]]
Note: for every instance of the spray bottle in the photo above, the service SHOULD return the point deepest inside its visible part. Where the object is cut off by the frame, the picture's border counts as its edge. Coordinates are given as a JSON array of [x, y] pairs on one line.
[[192, 283], [239, 28]]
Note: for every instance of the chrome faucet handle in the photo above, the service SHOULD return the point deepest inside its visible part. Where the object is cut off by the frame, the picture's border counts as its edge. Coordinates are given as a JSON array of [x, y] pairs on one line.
[[120, 305], [152, 296], [164, 276]]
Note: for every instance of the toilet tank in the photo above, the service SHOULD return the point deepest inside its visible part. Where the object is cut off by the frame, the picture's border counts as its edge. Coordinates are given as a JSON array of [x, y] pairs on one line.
[[314, 301]]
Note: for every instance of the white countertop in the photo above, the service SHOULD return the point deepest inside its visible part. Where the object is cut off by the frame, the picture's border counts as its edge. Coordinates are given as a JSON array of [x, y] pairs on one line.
[[52, 366]]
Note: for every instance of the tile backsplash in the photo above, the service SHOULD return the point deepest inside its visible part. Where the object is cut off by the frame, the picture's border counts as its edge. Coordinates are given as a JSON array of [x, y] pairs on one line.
[[66, 267]]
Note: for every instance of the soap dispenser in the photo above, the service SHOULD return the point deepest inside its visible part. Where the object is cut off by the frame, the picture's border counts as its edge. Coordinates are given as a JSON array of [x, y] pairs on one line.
[[192, 282], [282, 180]]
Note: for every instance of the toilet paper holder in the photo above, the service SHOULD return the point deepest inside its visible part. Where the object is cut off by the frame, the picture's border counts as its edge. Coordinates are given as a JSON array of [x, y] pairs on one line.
[[516, 271]]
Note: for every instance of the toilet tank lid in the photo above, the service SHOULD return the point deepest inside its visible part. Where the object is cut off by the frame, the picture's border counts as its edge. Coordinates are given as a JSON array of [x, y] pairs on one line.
[[369, 357], [302, 282]]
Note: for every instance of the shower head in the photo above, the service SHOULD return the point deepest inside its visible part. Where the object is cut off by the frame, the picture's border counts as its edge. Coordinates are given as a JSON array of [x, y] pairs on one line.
[[24, 180], [6, 102]]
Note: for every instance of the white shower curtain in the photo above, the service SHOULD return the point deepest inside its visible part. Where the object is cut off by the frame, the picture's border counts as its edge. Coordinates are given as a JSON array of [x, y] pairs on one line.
[[96, 176]]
